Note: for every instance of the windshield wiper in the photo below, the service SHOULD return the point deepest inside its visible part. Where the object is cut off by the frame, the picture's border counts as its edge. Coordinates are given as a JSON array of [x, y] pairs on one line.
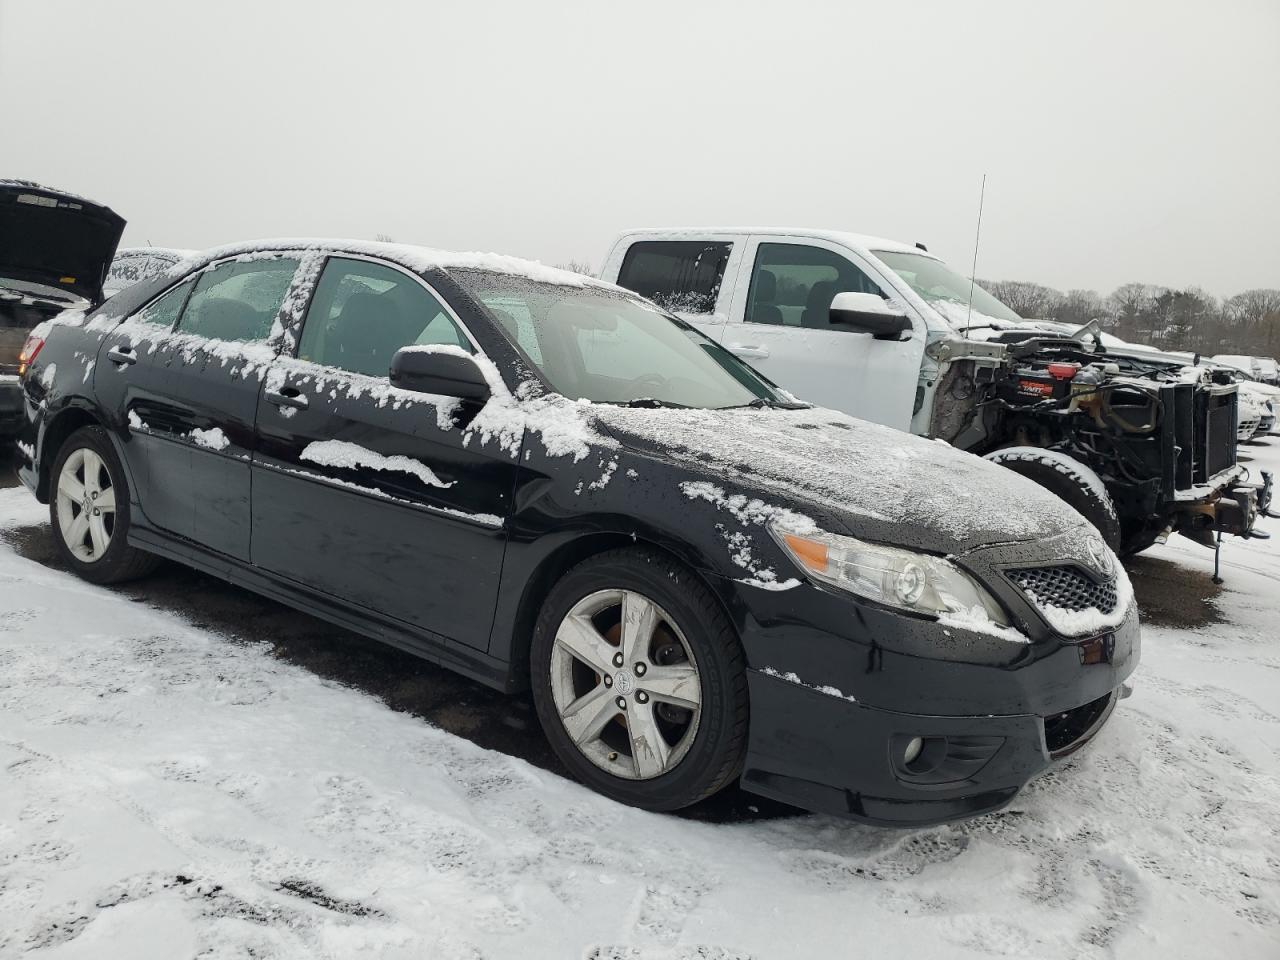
[[652, 403], [764, 403]]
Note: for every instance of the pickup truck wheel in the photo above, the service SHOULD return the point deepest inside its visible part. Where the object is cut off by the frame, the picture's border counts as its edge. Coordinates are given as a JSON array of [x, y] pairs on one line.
[[89, 510], [1070, 480], [639, 681]]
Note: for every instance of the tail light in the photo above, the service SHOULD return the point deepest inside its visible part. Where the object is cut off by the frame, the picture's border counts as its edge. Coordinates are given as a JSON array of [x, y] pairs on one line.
[[29, 350]]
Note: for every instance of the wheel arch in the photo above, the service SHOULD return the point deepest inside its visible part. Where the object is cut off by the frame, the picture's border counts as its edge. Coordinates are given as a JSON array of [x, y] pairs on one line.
[[63, 424], [519, 633]]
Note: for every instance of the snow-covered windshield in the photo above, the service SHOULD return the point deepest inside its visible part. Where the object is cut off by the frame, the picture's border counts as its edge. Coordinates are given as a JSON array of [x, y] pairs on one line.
[[945, 290], [603, 345]]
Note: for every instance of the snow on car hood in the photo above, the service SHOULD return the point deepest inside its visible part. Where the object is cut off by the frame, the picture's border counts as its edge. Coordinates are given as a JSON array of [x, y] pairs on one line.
[[881, 483]]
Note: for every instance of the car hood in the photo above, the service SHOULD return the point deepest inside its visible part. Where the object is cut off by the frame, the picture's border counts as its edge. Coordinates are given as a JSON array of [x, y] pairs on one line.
[[56, 239], [876, 482]]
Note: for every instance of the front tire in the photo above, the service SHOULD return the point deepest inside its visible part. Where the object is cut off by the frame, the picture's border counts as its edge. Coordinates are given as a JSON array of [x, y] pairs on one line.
[[639, 681], [89, 510], [1070, 480]]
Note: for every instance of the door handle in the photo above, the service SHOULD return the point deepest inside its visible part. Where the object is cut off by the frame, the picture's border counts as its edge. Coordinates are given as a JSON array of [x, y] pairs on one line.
[[749, 351], [286, 397], [122, 355]]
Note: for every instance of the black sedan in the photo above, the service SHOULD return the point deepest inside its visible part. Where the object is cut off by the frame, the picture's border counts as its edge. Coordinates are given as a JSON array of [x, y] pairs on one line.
[[542, 480]]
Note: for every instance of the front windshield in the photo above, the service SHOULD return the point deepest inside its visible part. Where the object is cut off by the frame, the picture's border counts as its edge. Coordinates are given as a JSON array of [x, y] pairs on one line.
[[607, 346], [948, 292]]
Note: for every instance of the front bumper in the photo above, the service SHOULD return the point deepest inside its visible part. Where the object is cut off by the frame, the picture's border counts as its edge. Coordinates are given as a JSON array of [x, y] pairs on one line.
[[834, 756], [839, 689]]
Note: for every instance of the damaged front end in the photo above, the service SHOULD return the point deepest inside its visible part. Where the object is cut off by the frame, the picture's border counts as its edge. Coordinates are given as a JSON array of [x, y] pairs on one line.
[[1159, 433]]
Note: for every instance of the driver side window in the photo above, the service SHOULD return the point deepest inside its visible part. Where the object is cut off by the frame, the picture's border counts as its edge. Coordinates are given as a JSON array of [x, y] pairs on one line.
[[793, 285], [363, 312]]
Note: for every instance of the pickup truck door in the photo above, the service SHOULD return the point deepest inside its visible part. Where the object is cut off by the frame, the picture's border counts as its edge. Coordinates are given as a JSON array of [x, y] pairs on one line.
[[778, 323]]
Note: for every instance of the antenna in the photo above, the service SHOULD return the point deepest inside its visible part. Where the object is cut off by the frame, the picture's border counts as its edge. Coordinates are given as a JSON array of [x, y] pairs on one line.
[[977, 235]]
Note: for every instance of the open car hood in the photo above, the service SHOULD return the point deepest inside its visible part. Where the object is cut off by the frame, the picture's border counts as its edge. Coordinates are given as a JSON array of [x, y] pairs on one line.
[[56, 239]]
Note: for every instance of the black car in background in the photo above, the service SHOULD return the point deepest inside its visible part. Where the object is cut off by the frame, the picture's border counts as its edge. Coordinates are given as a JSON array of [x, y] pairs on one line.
[[55, 249], [542, 480]]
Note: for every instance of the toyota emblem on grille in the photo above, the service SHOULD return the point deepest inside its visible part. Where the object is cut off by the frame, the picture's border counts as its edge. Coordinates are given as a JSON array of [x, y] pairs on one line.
[[1102, 558]]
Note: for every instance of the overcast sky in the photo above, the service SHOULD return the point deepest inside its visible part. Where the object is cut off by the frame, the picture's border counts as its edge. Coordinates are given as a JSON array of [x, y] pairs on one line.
[[1135, 140]]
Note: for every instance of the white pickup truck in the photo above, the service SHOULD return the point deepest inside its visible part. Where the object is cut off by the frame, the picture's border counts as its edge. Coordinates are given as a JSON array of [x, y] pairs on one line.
[[886, 331]]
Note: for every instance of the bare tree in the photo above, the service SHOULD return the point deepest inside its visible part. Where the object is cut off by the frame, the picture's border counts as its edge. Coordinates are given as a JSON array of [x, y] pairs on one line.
[[1031, 300], [578, 266]]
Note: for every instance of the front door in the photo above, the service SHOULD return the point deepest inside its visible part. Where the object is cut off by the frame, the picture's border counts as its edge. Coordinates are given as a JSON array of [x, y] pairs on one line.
[[364, 491], [783, 329]]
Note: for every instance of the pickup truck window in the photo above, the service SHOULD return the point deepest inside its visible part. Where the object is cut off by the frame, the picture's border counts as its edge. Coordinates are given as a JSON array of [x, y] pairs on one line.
[[793, 284], [682, 276]]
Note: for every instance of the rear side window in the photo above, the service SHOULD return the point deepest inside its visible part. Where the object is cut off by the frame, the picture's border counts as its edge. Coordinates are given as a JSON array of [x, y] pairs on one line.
[[793, 285], [164, 311], [682, 276], [363, 312], [238, 300]]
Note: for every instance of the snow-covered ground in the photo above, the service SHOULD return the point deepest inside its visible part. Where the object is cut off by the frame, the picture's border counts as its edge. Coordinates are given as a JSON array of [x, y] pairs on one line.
[[168, 793]]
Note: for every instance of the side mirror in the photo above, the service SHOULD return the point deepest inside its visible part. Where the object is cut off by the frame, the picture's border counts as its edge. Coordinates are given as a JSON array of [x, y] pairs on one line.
[[444, 374], [868, 312]]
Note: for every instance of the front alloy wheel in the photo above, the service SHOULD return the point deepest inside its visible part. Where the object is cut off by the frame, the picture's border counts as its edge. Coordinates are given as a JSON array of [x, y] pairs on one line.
[[625, 684], [639, 680]]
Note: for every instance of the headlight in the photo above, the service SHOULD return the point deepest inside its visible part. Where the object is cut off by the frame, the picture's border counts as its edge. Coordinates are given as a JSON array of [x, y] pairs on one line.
[[890, 575]]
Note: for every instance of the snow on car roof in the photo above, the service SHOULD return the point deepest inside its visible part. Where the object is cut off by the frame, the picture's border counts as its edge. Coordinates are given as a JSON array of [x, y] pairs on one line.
[[859, 242], [178, 253], [416, 258]]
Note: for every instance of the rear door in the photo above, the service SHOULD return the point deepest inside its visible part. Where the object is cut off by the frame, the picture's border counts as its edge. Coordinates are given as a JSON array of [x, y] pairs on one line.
[[366, 492], [780, 325], [188, 393]]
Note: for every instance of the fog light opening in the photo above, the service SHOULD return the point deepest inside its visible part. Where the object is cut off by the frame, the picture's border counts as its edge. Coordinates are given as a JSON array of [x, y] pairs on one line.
[[914, 746]]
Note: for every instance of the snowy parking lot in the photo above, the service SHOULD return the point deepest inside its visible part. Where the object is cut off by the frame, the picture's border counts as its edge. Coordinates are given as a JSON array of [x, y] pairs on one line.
[[169, 790]]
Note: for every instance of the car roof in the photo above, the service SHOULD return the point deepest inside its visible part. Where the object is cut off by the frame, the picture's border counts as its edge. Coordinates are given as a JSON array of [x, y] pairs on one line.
[[415, 258], [862, 243]]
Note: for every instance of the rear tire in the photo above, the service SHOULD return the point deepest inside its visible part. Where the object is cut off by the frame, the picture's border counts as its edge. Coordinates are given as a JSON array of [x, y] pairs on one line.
[[1068, 479], [89, 510], [629, 647]]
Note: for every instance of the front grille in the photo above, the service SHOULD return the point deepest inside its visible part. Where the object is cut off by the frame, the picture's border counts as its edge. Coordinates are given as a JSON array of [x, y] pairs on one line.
[[1070, 730], [1065, 587]]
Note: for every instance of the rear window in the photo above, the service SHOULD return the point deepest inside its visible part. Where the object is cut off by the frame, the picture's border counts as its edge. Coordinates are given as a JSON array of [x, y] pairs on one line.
[[682, 276]]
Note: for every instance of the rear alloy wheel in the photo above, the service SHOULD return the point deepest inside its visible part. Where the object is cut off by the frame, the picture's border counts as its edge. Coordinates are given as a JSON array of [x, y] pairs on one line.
[[86, 506], [89, 510], [639, 681]]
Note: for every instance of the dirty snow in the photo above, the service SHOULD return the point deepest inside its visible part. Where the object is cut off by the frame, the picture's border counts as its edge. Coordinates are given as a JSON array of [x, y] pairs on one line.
[[166, 791], [340, 453]]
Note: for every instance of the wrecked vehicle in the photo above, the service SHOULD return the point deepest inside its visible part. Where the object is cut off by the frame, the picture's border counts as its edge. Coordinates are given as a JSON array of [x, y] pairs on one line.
[[543, 481], [55, 249], [886, 331]]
